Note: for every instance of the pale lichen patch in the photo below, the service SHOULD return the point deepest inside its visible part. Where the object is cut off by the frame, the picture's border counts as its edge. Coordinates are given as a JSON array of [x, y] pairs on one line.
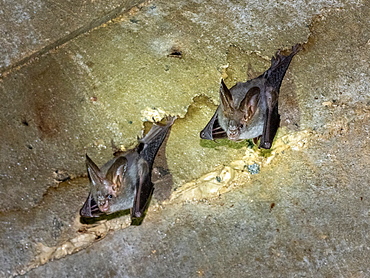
[[224, 178], [153, 114], [84, 237]]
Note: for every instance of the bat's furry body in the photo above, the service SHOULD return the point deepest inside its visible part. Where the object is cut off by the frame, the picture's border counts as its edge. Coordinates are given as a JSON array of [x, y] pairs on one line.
[[124, 182], [250, 109]]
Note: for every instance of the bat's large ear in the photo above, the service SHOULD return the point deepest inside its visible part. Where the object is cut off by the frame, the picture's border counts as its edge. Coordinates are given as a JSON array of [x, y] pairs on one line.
[[249, 104], [95, 174], [226, 97], [117, 171]]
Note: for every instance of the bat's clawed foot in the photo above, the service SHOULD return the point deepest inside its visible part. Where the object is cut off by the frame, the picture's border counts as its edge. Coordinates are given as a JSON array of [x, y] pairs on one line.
[[296, 48], [265, 145], [167, 121], [137, 218]]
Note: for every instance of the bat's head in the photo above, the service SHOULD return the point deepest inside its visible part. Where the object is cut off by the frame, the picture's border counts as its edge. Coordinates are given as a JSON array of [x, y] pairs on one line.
[[107, 190], [236, 116]]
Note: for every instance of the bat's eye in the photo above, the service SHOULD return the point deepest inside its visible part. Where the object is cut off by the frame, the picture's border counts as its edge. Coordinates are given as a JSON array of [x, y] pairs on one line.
[[109, 196]]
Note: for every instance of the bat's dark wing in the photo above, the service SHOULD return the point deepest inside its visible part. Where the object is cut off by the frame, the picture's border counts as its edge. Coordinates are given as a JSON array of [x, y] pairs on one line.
[[151, 143], [148, 149], [90, 208], [213, 130], [144, 191], [274, 77], [272, 121], [279, 64]]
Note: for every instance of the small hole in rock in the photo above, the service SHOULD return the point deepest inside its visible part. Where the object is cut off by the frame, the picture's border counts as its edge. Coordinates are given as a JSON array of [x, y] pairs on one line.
[[175, 53]]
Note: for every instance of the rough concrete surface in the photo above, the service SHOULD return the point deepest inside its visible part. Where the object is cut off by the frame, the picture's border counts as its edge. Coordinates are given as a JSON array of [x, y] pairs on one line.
[[301, 209], [31, 28]]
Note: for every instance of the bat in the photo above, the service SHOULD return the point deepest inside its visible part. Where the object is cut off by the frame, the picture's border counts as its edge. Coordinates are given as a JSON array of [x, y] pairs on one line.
[[124, 182], [250, 109]]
